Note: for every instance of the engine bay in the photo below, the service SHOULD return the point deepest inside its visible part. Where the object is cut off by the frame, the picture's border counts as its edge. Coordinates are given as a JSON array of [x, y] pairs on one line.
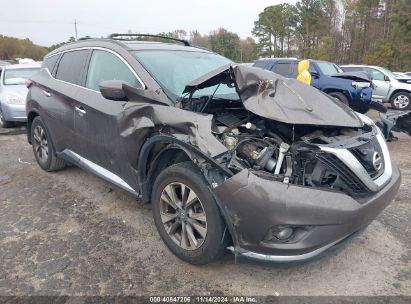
[[286, 152]]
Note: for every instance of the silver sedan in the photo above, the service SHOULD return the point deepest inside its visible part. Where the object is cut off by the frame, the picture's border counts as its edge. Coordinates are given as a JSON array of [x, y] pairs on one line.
[[13, 92]]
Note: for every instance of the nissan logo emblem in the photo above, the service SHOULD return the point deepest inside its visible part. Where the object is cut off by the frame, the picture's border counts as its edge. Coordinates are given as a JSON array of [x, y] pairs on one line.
[[376, 161]]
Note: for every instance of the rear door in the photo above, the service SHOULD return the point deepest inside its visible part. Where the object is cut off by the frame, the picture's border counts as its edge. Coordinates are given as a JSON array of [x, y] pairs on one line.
[[60, 95], [96, 118]]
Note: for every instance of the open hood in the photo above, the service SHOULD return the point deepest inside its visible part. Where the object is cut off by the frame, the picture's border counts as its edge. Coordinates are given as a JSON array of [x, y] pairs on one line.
[[356, 76], [274, 97]]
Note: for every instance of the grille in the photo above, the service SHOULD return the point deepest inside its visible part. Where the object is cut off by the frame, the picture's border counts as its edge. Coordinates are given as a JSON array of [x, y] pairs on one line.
[[354, 184], [364, 154]]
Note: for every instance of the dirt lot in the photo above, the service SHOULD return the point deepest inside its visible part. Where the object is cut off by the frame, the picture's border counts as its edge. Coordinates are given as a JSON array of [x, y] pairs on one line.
[[72, 233]]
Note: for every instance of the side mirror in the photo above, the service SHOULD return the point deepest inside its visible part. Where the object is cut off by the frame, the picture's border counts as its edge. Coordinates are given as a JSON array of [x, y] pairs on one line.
[[386, 78], [315, 75], [113, 90]]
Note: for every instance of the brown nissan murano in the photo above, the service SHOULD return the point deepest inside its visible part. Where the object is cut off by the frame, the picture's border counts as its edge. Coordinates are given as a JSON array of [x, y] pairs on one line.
[[230, 156]]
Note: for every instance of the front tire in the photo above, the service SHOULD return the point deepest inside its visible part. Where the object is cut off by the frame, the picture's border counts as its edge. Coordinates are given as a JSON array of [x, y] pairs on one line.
[[187, 216], [401, 101], [43, 147]]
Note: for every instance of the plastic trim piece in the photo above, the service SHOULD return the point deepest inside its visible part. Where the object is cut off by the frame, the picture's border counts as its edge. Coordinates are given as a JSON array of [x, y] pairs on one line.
[[98, 170], [283, 258]]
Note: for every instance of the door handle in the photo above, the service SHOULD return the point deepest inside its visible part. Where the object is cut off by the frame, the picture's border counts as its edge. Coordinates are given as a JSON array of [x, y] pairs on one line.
[[47, 93], [80, 110]]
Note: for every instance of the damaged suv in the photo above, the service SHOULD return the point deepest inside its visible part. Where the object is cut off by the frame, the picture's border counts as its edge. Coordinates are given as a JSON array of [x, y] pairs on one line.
[[229, 156]]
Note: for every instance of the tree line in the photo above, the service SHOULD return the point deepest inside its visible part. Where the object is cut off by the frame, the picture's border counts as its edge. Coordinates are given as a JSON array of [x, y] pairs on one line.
[[374, 32], [12, 48], [221, 41], [342, 31]]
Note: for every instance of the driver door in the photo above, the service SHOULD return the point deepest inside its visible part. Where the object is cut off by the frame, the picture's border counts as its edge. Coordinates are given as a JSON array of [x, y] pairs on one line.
[[96, 118], [382, 86]]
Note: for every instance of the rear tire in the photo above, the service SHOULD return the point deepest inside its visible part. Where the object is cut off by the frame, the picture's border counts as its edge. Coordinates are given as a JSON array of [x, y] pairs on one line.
[[43, 147], [401, 101], [187, 216], [341, 97], [3, 122]]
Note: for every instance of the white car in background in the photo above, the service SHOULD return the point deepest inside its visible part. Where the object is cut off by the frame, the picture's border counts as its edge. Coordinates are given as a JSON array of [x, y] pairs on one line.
[[388, 87], [13, 92]]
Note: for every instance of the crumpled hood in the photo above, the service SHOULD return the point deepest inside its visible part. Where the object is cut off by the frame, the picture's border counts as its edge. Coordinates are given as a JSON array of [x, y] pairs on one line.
[[275, 97], [356, 75]]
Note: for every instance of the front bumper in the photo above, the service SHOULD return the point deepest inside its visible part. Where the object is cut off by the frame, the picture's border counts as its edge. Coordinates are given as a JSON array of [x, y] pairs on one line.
[[363, 99], [14, 112], [253, 205]]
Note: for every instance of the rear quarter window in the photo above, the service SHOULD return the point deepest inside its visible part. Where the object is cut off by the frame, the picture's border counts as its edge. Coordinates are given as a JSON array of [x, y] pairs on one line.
[[283, 68], [71, 66], [50, 62], [260, 64]]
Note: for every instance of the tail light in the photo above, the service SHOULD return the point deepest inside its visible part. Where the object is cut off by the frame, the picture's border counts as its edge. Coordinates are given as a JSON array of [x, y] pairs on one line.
[[28, 83]]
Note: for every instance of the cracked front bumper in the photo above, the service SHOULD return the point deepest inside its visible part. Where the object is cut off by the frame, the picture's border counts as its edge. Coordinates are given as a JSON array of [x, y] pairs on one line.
[[253, 205]]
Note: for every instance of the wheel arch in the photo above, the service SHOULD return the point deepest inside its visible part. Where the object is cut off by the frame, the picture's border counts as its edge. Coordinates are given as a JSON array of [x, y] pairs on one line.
[[158, 149], [30, 117], [396, 91], [161, 151], [336, 90]]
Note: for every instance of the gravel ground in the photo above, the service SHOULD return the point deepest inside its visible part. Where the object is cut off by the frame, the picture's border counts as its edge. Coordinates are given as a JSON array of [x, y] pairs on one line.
[[70, 233]]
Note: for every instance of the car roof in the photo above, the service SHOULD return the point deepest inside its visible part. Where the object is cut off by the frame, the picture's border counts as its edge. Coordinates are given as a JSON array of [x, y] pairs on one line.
[[22, 66], [293, 59], [3, 63], [278, 58], [132, 45], [360, 65]]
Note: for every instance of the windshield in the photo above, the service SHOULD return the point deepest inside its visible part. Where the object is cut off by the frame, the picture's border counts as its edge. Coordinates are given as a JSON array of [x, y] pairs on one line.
[[18, 76], [388, 73], [173, 70], [329, 68]]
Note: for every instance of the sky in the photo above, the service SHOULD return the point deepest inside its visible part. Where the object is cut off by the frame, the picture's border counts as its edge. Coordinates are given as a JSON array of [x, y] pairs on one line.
[[46, 22]]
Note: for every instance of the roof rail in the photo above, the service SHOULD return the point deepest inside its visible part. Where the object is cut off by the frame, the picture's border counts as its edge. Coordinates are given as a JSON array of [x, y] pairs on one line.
[[118, 37]]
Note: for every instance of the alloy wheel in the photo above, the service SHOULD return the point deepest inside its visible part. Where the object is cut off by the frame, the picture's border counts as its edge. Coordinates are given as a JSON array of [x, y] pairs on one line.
[[183, 216], [40, 144], [401, 102]]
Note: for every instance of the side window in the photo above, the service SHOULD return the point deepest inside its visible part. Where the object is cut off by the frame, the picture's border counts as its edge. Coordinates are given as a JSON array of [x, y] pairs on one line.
[[312, 69], [50, 62], [351, 69], [283, 68], [375, 74], [71, 66], [107, 66], [260, 64]]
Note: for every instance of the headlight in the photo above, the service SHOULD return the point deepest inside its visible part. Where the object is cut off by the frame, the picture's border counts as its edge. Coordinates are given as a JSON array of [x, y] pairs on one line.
[[358, 84], [14, 99]]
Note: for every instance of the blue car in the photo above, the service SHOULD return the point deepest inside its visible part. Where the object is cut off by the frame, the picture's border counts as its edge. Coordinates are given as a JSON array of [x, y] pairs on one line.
[[353, 89]]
